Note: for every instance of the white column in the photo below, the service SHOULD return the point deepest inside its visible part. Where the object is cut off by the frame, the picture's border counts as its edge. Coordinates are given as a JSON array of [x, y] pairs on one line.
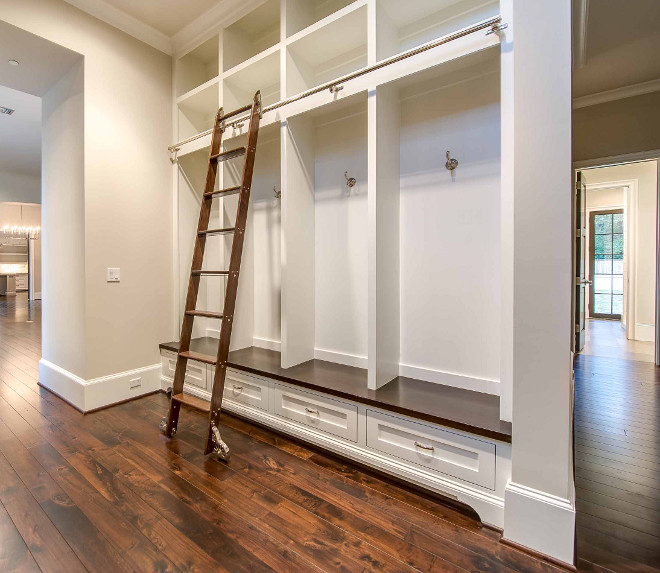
[[539, 500]]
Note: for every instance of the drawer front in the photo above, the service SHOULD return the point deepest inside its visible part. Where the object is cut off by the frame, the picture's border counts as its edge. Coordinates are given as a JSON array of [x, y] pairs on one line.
[[21, 281], [328, 415], [439, 450], [195, 371], [245, 389]]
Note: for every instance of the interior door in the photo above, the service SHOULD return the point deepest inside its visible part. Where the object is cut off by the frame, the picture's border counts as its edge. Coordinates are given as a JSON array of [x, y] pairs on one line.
[[581, 281]]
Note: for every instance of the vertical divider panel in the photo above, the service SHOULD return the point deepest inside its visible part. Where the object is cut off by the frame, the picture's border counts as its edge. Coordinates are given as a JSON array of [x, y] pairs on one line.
[[384, 178], [298, 241]]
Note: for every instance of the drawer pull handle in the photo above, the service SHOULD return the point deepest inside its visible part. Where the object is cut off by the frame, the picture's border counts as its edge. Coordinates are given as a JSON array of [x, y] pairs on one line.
[[423, 447], [237, 388], [312, 411]]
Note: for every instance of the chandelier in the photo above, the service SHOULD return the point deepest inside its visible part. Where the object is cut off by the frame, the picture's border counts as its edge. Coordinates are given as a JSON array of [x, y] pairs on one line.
[[21, 232]]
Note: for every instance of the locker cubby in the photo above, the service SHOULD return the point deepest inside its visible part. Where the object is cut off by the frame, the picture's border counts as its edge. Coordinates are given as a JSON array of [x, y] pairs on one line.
[[197, 109], [324, 285], [301, 14], [321, 54], [446, 258], [198, 66], [240, 85], [258, 304], [405, 25], [252, 34]]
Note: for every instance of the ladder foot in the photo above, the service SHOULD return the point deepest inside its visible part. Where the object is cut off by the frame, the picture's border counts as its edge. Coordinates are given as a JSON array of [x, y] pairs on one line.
[[219, 447], [163, 427]]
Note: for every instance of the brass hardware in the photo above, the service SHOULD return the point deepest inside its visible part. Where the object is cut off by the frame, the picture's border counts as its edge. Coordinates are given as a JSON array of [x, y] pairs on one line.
[[350, 182], [312, 411], [219, 447], [278, 194], [451, 163], [423, 447], [335, 89], [237, 388], [497, 28]]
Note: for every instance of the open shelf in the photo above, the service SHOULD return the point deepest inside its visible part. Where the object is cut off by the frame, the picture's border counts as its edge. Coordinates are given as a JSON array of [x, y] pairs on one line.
[[320, 54], [448, 223], [301, 14], [405, 25], [198, 66], [325, 233], [197, 109], [240, 83], [252, 34]]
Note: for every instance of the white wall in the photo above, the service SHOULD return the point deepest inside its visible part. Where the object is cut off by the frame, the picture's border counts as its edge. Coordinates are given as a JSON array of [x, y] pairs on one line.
[[19, 187], [646, 174], [127, 195], [450, 230]]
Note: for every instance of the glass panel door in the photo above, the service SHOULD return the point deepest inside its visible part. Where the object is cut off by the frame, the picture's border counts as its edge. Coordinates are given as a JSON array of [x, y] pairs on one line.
[[606, 257]]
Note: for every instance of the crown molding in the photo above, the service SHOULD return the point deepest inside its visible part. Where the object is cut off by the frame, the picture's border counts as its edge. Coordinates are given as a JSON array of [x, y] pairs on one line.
[[616, 94], [210, 22], [126, 23]]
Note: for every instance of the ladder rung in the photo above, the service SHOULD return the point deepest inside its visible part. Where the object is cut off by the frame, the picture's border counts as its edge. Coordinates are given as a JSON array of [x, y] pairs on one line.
[[209, 273], [236, 112], [199, 357], [224, 192], [193, 401], [225, 155], [204, 313], [216, 232]]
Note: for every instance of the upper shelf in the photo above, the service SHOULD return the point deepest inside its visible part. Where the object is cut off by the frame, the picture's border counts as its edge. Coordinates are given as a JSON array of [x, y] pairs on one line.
[[327, 50], [252, 34], [259, 73], [301, 14], [198, 66], [405, 25]]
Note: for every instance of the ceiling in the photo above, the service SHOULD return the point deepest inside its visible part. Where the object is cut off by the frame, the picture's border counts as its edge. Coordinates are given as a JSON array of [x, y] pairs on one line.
[[619, 43], [166, 16], [42, 63]]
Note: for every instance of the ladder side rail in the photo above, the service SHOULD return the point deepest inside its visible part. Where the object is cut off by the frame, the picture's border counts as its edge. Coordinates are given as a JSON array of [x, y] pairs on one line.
[[234, 270]]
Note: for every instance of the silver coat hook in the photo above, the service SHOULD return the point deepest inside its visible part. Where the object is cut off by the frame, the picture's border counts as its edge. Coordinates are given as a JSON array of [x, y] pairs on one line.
[[350, 182], [451, 163]]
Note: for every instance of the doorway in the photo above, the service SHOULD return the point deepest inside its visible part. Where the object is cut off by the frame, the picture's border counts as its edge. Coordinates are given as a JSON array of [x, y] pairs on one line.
[[617, 276]]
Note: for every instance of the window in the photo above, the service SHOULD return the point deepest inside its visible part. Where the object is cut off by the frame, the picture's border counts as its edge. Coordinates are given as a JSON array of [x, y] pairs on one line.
[[606, 254]]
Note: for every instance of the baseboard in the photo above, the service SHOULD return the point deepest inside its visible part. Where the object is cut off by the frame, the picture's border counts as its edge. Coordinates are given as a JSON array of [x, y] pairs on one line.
[[644, 332], [37, 296], [341, 358], [540, 522], [86, 395], [451, 379], [267, 343]]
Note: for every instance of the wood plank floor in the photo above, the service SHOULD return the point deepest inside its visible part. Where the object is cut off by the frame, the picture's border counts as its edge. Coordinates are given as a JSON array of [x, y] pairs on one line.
[[107, 492], [617, 466]]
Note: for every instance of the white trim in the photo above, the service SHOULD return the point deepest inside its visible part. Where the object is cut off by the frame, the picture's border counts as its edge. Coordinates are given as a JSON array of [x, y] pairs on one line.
[[341, 358], [617, 159], [88, 395], [644, 332], [37, 296], [126, 23], [616, 94], [486, 385], [267, 343], [539, 520]]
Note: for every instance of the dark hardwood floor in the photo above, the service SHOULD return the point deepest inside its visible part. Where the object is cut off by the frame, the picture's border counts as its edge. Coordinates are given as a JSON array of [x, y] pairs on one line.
[[107, 492], [617, 467]]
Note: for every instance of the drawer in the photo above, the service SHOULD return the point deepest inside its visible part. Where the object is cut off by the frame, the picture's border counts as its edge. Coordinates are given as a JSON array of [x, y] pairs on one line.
[[245, 389], [434, 448], [195, 371], [326, 414]]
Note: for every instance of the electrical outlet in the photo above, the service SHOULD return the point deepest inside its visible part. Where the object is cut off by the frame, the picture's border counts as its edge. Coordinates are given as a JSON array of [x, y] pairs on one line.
[[113, 275], [135, 383]]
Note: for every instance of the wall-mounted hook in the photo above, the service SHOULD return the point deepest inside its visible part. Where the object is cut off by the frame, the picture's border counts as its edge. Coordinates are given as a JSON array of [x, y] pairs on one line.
[[451, 163], [278, 194], [350, 182]]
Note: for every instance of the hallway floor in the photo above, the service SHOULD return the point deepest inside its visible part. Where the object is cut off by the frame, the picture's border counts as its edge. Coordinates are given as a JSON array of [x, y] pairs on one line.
[[617, 447], [107, 492]]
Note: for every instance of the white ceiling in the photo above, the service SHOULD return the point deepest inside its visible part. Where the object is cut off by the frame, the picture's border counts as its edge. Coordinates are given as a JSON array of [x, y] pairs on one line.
[[42, 63], [20, 144], [621, 43]]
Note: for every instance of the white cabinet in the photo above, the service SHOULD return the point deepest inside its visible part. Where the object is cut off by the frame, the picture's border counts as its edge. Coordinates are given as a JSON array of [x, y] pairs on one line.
[[21, 282], [245, 389], [437, 449], [196, 372], [315, 410]]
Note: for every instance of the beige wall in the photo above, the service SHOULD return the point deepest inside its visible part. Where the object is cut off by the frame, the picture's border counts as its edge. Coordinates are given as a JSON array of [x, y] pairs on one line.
[[20, 187], [615, 128], [646, 175], [127, 218]]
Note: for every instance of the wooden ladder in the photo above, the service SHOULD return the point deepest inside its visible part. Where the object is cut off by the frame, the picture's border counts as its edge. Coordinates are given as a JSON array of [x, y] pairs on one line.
[[177, 397]]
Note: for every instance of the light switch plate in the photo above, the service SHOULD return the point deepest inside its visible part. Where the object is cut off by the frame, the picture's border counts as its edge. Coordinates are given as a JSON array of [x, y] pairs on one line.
[[113, 275]]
